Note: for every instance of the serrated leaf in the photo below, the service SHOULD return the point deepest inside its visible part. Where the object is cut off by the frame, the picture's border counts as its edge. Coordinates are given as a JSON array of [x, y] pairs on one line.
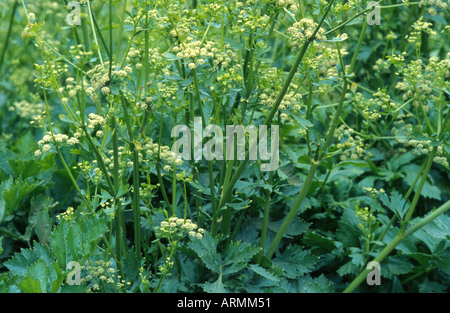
[[348, 231], [239, 205], [215, 287], [206, 249], [297, 227], [234, 258], [428, 286], [264, 273], [295, 261], [76, 241], [30, 285], [395, 203], [304, 123], [20, 262], [237, 255], [426, 238], [398, 265], [429, 190], [357, 257], [316, 285], [239, 251], [318, 241], [43, 226], [38, 218], [347, 268], [2, 208], [439, 228], [39, 272], [14, 191]]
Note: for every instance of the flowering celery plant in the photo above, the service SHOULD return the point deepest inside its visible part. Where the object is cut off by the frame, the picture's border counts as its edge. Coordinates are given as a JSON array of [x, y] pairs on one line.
[[150, 146]]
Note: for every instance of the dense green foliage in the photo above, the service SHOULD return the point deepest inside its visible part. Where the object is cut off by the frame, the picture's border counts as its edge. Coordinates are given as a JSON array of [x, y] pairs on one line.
[[87, 173]]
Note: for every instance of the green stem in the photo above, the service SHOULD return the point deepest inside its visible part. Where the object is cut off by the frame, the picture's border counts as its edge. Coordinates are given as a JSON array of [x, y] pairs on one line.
[[66, 167], [136, 184], [398, 239], [136, 204], [8, 34], [229, 187], [121, 27], [119, 218], [293, 212], [319, 156], [265, 225], [419, 189], [93, 31], [210, 168], [158, 167]]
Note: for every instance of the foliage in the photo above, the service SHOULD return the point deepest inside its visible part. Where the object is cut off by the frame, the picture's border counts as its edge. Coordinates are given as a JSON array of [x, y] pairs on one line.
[[88, 175]]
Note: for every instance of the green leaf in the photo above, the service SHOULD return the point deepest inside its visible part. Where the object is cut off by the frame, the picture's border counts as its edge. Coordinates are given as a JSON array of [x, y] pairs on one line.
[[397, 161], [429, 190], [19, 263], [428, 286], [75, 241], [25, 144], [1, 248], [348, 231], [38, 218], [297, 227], [304, 123], [295, 261], [397, 266], [395, 203], [234, 258], [215, 287], [30, 285], [439, 228], [43, 226], [347, 268], [316, 285], [239, 205], [206, 249], [318, 242], [237, 255], [39, 272], [14, 191], [357, 256], [264, 273], [2, 208]]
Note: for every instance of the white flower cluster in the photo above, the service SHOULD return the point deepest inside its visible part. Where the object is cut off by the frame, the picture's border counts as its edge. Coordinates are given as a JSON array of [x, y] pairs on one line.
[[195, 52], [95, 122], [372, 192], [424, 147], [152, 149], [47, 139], [441, 160], [179, 226], [440, 4], [100, 77], [304, 29], [249, 19], [27, 109], [351, 144]]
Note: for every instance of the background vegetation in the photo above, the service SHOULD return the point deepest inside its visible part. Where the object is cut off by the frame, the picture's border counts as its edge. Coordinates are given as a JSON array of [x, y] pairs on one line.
[[87, 175]]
